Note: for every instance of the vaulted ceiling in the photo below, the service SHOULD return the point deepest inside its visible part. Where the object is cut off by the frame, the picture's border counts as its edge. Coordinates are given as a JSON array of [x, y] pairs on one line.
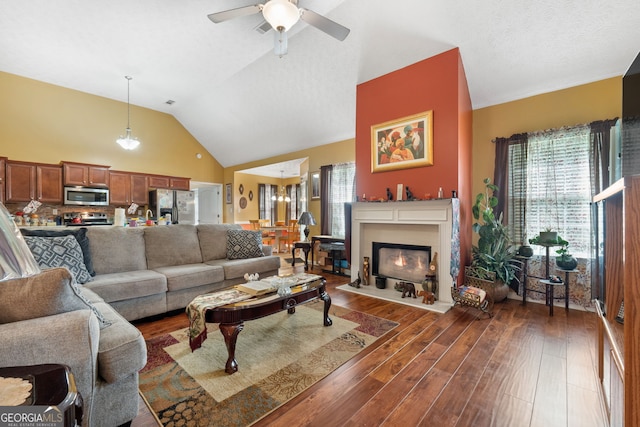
[[229, 87]]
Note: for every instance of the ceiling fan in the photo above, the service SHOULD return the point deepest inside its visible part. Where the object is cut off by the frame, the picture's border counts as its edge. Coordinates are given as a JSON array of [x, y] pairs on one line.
[[281, 15]]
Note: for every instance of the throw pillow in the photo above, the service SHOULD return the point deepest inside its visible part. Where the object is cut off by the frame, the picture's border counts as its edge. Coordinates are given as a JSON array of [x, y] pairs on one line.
[[242, 244], [53, 291], [62, 251], [80, 234]]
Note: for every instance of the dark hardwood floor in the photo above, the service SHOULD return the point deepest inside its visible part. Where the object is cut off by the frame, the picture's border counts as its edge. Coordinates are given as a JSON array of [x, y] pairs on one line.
[[520, 368]]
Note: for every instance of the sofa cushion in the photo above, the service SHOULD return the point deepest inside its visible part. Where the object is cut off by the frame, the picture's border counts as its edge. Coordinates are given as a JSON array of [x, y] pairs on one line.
[[53, 291], [61, 251], [128, 285], [79, 233], [213, 240], [237, 268], [243, 244], [191, 275], [122, 350], [174, 245], [117, 249]]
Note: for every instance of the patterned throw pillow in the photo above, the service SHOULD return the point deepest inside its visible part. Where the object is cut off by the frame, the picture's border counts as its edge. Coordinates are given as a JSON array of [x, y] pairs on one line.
[[79, 233], [242, 244], [61, 251]]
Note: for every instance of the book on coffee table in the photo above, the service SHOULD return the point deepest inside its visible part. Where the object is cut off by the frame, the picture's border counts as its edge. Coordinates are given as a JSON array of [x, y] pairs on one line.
[[257, 287]]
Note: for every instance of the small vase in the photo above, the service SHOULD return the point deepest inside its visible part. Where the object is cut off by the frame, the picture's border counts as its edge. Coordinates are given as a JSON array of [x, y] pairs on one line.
[[365, 271], [525, 251]]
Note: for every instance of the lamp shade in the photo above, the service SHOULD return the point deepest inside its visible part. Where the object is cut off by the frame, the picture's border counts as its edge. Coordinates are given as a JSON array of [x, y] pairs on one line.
[[281, 14], [306, 218]]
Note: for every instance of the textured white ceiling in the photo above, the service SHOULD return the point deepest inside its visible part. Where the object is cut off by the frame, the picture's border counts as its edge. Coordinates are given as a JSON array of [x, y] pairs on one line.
[[228, 87]]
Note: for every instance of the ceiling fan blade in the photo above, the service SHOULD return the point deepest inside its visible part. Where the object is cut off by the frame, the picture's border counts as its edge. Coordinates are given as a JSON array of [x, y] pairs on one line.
[[324, 24], [234, 13], [263, 27]]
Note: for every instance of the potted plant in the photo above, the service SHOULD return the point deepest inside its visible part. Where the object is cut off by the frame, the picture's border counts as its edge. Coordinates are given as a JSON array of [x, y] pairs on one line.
[[548, 236], [565, 260], [495, 252]]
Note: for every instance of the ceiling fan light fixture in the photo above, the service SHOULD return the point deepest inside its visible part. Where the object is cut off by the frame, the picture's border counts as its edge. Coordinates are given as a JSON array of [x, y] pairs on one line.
[[280, 43], [127, 141], [281, 13]]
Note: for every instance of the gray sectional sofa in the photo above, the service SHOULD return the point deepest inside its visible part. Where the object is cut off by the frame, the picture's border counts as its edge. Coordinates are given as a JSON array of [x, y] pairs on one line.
[[139, 272], [145, 271]]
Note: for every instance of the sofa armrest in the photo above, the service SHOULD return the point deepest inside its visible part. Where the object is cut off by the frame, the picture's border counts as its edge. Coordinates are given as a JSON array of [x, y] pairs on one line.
[[68, 338], [267, 250]]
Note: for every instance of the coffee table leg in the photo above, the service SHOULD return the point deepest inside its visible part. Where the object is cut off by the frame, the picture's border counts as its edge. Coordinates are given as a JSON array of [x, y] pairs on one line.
[[230, 333], [327, 304]]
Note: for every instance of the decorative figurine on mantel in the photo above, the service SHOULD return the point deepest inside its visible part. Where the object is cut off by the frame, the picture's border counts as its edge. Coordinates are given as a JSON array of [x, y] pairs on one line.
[[365, 271], [389, 195], [409, 193]]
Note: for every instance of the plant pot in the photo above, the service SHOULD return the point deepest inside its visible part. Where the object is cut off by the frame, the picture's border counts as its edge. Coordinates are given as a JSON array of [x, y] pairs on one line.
[[566, 262], [525, 251], [498, 291], [548, 237]]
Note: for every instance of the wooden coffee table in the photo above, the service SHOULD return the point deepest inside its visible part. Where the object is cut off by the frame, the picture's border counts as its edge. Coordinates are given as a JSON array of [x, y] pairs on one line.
[[231, 317]]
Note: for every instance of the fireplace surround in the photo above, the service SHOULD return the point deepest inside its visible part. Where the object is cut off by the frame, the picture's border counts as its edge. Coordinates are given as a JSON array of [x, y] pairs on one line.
[[421, 223]]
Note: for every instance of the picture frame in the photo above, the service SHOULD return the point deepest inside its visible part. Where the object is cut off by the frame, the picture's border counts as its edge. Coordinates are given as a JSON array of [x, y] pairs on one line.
[[315, 185], [402, 143], [228, 194]]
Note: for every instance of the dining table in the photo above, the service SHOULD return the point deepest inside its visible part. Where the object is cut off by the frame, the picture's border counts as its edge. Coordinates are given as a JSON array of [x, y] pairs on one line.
[[279, 231]]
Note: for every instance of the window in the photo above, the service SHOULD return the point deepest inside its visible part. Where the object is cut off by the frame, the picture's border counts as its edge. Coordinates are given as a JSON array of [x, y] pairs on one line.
[[266, 208], [340, 186], [550, 184]]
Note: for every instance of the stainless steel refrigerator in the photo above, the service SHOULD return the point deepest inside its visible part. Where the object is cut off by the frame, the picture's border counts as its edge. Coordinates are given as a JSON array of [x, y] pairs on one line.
[[181, 205]]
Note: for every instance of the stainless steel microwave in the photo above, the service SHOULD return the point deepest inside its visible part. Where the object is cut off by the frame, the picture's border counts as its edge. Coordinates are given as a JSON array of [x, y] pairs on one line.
[[84, 196]]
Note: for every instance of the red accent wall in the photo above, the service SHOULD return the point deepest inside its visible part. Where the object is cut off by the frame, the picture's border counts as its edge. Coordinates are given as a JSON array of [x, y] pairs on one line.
[[438, 84]]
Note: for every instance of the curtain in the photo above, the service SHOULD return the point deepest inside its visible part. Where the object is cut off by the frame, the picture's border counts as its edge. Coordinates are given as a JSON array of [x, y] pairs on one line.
[[325, 193], [512, 183], [599, 155], [342, 191]]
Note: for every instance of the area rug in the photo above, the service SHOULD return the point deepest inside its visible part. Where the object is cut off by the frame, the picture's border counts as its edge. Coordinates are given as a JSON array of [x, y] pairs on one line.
[[278, 357]]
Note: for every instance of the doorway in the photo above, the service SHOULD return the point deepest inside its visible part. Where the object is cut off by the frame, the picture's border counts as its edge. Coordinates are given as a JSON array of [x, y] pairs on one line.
[[208, 202]]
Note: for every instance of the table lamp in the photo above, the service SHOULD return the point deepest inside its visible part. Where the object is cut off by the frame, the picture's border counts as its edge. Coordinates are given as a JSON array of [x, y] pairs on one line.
[[306, 219]]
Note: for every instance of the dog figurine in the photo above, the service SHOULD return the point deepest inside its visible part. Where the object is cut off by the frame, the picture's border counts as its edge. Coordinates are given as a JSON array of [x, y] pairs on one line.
[[427, 297], [407, 288]]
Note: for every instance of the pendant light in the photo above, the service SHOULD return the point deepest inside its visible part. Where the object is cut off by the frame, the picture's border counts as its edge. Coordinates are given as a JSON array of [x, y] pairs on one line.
[[282, 196], [128, 142]]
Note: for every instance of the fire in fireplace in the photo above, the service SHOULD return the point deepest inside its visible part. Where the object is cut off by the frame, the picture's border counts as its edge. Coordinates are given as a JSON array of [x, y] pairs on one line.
[[400, 261]]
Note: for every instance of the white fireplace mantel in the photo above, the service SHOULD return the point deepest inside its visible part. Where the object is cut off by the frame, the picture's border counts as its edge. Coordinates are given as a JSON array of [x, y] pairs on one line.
[[425, 222]]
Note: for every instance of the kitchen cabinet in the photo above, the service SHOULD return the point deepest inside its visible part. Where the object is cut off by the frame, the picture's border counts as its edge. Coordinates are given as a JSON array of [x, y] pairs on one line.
[[126, 188], [3, 161], [32, 181], [85, 175], [169, 182], [618, 344]]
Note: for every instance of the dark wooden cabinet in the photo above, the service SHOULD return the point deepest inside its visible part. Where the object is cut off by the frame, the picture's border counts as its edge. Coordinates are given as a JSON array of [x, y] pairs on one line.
[[126, 188], [3, 161], [31, 181], [85, 175], [170, 182], [49, 184], [619, 344]]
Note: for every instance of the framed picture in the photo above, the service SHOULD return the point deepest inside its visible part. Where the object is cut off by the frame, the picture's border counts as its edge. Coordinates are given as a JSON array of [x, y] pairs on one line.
[[228, 193], [315, 185], [402, 143]]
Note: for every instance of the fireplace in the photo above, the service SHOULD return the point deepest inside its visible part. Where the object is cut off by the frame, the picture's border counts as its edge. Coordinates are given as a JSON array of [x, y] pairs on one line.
[[400, 261]]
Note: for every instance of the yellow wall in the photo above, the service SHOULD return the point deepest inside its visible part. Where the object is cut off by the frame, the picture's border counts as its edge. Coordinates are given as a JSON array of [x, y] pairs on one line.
[[337, 152], [40, 122], [576, 105]]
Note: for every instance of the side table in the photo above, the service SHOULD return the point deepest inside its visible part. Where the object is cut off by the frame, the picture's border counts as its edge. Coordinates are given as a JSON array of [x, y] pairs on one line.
[[550, 287], [306, 248], [52, 385]]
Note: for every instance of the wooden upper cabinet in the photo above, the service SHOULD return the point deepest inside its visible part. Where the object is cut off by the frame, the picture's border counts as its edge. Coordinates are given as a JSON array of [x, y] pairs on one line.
[[180, 183], [3, 161], [139, 189], [156, 181], [170, 182], [20, 181], [85, 175], [126, 188], [31, 181], [49, 184]]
